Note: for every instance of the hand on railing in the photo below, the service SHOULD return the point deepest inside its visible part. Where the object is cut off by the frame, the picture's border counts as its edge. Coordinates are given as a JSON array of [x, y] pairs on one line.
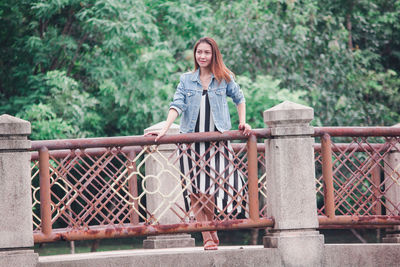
[[245, 128], [172, 115], [157, 134]]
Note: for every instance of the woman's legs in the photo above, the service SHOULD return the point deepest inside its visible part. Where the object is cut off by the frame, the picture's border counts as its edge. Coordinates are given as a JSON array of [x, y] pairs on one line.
[[203, 208], [208, 201]]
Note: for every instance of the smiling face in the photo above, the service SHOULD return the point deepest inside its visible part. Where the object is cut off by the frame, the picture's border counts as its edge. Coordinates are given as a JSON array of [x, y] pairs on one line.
[[204, 55]]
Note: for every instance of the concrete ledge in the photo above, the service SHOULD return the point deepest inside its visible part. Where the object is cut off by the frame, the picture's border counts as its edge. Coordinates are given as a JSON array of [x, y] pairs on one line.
[[225, 256], [10, 145], [169, 241], [364, 255]]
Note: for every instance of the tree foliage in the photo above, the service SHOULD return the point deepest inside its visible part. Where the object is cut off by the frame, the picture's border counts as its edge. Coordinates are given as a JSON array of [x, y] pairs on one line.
[[109, 67]]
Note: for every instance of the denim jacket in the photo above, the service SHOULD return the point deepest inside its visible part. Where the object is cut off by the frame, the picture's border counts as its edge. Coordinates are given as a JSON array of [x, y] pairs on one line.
[[188, 96]]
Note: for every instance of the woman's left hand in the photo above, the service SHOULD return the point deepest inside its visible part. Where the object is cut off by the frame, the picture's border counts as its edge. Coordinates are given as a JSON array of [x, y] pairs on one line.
[[246, 128]]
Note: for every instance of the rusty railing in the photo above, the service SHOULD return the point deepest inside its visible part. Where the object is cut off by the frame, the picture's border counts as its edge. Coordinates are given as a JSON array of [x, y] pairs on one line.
[[358, 182], [102, 187], [97, 188]]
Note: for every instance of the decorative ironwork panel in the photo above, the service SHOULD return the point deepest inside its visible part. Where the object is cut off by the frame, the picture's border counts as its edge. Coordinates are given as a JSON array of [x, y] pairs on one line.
[[262, 182], [319, 182], [116, 186], [35, 195], [366, 179]]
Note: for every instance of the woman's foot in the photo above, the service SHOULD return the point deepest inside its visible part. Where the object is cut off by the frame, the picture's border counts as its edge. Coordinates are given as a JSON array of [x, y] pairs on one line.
[[215, 237], [209, 244]]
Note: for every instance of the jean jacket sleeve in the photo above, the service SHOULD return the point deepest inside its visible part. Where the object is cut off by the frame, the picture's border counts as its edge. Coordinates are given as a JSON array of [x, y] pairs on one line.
[[178, 103], [233, 91]]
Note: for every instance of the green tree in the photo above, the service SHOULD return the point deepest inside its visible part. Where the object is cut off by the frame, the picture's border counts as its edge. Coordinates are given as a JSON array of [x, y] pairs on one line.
[[109, 67], [306, 46]]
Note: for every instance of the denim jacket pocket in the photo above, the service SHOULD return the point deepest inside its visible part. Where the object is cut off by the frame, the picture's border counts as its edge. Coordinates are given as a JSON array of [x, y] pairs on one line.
[[190, 93], [220, 91], [220, 94]]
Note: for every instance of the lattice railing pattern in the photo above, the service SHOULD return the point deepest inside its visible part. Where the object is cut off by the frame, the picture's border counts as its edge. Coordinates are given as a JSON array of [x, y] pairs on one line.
[[262, 182], [319, 182], [115, 186], [35, 194], [366, 178], [82, 189], [122, 186]]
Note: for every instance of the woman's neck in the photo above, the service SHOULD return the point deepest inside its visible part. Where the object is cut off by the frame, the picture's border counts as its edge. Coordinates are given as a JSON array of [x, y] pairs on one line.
[[205, 72]]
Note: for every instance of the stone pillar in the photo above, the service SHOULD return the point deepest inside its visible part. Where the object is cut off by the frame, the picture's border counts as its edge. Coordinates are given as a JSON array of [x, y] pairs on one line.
[[291, 195], [164, 197], [392, 194], [16, 234]]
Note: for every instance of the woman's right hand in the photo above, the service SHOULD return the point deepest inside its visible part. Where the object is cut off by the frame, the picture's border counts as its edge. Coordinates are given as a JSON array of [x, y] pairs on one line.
[[157, 134]]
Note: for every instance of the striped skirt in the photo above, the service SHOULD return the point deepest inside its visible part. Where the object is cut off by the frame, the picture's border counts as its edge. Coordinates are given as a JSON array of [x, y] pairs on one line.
[[208, 168]]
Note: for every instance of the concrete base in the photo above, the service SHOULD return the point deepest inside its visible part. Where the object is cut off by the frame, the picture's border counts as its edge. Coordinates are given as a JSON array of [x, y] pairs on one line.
[[391, 238], [169, 241], [297, 247], [18, 258], [392, 235]]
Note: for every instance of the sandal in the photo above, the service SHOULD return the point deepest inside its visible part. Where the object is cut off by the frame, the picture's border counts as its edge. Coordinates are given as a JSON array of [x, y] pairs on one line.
[[209, 244], [215, 237]]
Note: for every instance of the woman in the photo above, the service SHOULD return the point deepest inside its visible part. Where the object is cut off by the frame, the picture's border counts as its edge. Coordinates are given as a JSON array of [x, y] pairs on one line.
[[201, 100]]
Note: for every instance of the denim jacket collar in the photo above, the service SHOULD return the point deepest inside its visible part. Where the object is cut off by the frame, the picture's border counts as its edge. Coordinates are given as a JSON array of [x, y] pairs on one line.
[[188, 95]]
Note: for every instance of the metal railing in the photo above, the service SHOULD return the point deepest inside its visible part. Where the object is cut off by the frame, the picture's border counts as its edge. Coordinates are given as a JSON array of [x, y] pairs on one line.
[[358, 185], [100, 187]]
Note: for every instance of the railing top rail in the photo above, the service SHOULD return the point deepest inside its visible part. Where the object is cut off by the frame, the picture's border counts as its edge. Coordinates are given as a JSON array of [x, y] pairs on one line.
[[93, 152], [357, 131], [139, 140]]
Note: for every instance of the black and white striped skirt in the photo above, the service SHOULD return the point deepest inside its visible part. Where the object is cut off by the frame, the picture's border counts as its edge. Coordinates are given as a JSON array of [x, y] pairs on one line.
[[209, 168]]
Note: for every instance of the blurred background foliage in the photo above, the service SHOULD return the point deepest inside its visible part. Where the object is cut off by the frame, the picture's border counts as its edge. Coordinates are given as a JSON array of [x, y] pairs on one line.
[[83, 68]]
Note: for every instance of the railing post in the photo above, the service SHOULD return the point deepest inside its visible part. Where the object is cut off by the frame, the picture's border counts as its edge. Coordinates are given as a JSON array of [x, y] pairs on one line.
[[133, 187], [327, 175], [252, 163], [164, 198], [16, 233], [45, 195], [290, 182], [376, 182]]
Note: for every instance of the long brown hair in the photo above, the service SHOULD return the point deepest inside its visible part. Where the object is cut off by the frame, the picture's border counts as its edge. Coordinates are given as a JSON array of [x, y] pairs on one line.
[[218, 68]]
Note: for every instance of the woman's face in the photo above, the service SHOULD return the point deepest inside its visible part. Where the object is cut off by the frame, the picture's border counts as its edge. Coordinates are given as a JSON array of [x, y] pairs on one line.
[[204, 55]]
